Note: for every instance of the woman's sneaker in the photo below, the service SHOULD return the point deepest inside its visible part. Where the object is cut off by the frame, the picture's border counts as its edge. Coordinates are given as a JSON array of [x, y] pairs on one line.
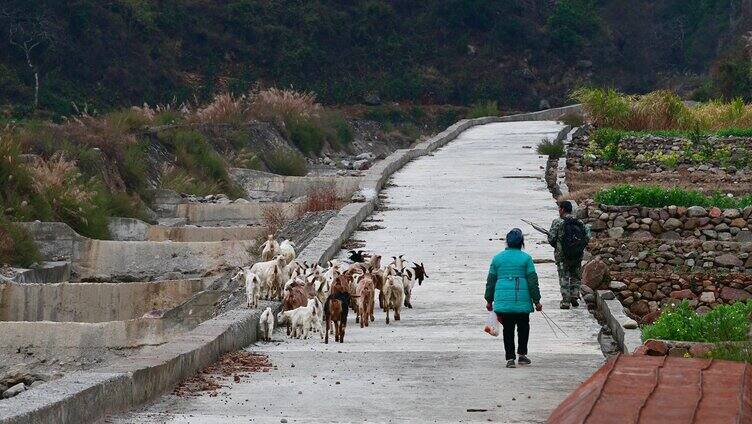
[[523, 360], [510, 364]]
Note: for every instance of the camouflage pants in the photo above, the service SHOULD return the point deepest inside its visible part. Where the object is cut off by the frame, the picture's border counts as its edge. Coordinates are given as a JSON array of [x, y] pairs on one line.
[[569, 279]]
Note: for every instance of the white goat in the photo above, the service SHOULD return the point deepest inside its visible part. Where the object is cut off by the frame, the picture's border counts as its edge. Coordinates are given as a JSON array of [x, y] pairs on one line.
[[270, 276], [266, 324], [287, 250], [301, 319], [269, 249], [252, 286], [394, 295]]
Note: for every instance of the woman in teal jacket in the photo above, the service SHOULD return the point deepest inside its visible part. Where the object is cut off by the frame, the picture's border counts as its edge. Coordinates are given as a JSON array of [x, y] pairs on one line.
[[511, 291]]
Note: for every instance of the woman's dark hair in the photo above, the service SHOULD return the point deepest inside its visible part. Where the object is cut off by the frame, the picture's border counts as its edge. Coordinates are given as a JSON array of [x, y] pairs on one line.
[[515, 239]]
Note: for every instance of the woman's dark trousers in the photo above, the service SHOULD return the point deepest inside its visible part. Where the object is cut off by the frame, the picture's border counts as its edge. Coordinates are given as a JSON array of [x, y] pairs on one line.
[[509, 322]]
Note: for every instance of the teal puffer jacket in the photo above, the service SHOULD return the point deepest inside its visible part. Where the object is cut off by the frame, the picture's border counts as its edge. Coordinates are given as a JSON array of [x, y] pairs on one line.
[[512, 283]]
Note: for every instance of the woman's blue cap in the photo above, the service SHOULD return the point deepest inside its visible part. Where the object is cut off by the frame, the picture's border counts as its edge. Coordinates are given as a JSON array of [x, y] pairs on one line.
[[515, 238]]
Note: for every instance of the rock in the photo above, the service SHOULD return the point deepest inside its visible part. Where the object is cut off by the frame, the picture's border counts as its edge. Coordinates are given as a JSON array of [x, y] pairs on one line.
[[15, 390], [609, 295], [365, 156], [683, 294], [640, 308], [361, 165], [729, 260], [620, 221], [598, 225], [702, 310], [672, 224], [744, 237], [372, 99], [739, 223], [656, 347], [640, 350], [715, 212], [711, 234], [732, 213], [36, 383], [670, 235], [616, 232], [650, 317], [630, 324], [696, 212], [617, 285], [678, 352], [642, 235], [593, 273], [732, 295], [707, 297]]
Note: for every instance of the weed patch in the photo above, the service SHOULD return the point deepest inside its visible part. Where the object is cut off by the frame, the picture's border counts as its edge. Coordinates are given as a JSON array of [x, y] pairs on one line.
[[658, 197], [553, 149], [681, 323], [286, 162]]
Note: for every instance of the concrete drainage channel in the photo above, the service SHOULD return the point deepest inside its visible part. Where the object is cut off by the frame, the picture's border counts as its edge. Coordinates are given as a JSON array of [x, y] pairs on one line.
[[86, 396]]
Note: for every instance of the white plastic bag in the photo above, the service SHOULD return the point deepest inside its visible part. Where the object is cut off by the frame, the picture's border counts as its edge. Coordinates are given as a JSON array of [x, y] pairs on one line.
[[492, 324]]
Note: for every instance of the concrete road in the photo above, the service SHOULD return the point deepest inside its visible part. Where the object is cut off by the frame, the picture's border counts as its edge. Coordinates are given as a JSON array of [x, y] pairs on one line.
[[447, 210]]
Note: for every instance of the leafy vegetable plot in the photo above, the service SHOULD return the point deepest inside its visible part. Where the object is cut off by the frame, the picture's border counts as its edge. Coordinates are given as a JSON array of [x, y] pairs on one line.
[[681, 323]]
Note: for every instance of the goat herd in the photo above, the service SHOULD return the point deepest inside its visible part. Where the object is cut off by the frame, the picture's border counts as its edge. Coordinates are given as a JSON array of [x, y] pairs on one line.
[[316, 298]]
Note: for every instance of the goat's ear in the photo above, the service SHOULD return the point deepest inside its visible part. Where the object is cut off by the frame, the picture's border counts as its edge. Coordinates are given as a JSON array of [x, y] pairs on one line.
[[400, 256]]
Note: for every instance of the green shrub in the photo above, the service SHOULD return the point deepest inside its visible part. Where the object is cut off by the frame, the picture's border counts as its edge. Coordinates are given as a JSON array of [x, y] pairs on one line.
[[481, 109], [604, 107], [337, 130], [658, 197], [305, 134], [179, 180], [572, 119], [681, 323], [286, 162], [17, 248], [385, 114], [194, 154], [739, 352], [552, 149]]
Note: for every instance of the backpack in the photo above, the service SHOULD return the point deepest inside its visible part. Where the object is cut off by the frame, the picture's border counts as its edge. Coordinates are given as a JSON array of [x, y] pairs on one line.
[[574, 240]]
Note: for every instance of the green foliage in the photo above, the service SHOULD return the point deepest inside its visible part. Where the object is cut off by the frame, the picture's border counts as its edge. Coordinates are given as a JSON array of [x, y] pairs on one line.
[[178, 180], [739, 352], [572, 119], [194, 154], [605, 107], [305, 134], [552, 149], [723, 323], [479, 110], [657, 197], [16, 245], [573, 23], [286, 162]]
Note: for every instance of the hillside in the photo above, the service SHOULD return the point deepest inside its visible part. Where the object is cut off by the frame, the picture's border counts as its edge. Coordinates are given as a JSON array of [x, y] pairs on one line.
[[103, 55]]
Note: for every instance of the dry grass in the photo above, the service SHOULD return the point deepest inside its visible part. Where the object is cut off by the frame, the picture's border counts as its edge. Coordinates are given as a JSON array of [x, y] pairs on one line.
[[273, 104], [273, 218], [320, 198], [58, 175], [224, 108], [660, 110]]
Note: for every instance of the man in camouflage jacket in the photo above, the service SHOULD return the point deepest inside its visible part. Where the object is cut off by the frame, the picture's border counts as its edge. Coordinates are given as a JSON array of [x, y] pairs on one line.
[[570, 272]]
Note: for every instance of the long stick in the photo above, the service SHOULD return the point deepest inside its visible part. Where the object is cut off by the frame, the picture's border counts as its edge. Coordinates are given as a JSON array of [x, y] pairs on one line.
[[536, 226], [554, 323], [549, 326]]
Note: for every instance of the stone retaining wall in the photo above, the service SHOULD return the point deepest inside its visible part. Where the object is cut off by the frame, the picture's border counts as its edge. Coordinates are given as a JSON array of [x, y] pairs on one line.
[[669, 223], [645, 294], [672, 256], [87, 396]]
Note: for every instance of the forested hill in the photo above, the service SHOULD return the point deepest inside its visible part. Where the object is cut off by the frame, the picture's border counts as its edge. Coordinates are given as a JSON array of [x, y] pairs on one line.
[[107, 53]]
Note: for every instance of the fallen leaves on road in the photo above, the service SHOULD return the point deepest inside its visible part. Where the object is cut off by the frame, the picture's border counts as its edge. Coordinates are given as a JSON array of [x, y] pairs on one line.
[[237, 365]]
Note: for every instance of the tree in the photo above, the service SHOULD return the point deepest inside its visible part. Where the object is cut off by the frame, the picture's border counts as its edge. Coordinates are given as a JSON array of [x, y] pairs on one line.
[[29, 33]]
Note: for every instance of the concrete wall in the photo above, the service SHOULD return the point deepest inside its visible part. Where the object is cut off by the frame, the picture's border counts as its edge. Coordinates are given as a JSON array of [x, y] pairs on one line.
[[218, 214], [129, 229], [135, 260], [46, 272], [91, 302], [264, 186]]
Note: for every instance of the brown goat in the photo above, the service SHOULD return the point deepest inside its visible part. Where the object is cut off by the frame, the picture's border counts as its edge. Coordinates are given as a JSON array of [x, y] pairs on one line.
[[335, 315], [365, 293]]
